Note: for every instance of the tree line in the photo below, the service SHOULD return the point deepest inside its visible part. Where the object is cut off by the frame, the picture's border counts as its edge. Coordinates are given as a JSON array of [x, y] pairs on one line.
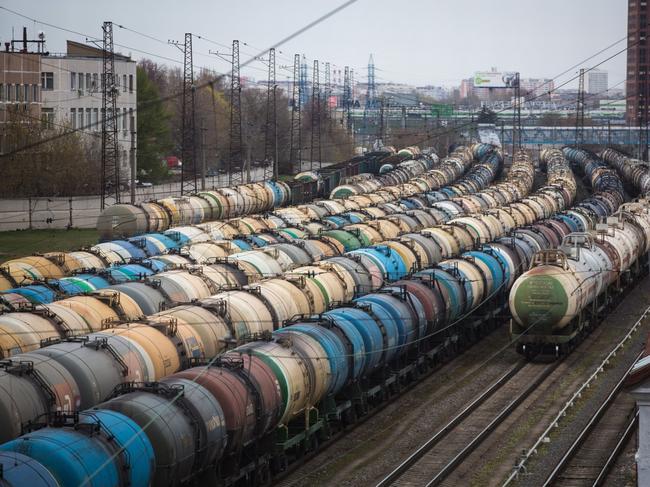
[[160, 122], [69, 163]]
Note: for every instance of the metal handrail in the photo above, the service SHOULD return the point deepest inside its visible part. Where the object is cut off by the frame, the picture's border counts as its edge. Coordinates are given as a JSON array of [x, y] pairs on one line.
[[520, 466]]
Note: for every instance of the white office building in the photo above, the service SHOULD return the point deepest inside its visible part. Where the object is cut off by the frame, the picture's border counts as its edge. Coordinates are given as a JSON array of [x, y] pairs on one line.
[[71, 87], [597, 82]]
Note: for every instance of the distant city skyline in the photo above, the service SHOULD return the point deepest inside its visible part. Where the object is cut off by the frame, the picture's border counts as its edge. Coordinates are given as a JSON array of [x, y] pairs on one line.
[[424, 43]]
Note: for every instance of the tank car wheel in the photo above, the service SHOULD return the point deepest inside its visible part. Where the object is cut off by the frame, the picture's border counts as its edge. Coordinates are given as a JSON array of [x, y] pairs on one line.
[[350, 416], [263, 475], [314, 443], [280, 463]]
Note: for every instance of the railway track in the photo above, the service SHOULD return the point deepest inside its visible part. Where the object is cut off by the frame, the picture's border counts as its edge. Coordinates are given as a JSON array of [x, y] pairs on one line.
[[362, 436], [596, 447], [436, 459], [597, 444]]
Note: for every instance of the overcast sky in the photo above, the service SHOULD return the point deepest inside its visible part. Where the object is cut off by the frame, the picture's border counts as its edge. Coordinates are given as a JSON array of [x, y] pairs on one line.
[[413, 41]]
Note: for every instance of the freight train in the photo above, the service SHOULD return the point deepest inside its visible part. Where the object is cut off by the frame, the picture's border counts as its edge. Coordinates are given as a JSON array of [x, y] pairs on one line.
[[290, 223], [635, 172], [25, 329], [248, 412], [570, 287], [122, 260], [125, 220]]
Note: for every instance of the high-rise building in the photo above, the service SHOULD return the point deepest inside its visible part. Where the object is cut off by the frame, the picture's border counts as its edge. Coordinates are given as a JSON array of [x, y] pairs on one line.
[[466, 88], [536, 87], [638, 60], [597, 82]]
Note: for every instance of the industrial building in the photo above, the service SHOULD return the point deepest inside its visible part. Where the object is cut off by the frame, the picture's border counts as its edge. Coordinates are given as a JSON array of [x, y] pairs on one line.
[[71, 87], [20, 79], [65, 90]]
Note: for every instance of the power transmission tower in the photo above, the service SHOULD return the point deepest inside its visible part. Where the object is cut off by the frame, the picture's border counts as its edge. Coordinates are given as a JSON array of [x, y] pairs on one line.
[[347, 98], [352, 87], [580, 110], [188, 126], [371, 93], [235, 157], [110, 149], [315, 155], [328, 114], [296, 139], [328, 92], [382, 127], [271, 128], [369, 113], [516, 117], [304, 93]]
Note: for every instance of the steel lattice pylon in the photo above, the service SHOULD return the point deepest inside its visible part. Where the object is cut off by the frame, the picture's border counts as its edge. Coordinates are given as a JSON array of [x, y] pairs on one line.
[[315, 156], [271, 127], [328, 92], [516, 117], [110, 182], [235, 175], [371, 93], [295, 149], [347, 98], [580, 110], [188, 126]]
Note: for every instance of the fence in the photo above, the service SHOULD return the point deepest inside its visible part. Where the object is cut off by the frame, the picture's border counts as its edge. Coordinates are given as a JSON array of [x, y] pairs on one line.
[[82, 211]]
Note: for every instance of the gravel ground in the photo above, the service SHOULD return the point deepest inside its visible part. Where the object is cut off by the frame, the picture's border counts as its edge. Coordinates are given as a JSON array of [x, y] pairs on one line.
[[623, 317], [371, 450], [493, 460], [623, 473]]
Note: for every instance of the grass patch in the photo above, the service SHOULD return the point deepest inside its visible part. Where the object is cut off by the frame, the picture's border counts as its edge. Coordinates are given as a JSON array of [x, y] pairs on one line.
[[20, 243]]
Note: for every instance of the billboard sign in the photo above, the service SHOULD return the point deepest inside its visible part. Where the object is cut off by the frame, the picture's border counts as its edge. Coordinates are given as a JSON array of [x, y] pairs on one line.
[[489, 79]]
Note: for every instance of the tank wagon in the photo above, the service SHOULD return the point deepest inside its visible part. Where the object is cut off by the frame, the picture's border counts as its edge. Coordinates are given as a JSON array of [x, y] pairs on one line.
[[57, 264], [352, 231], [125, 220], [570, 286], [29, 326], [636, 173], [282, 227], [390, 175], [248, 412]]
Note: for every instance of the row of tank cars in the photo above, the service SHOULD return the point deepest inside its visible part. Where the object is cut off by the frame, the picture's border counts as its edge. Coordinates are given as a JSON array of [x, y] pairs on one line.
[[125, 220], [129, 220], [289, 236], [95, 301], [571, 287], [250, 410], [305, 290]]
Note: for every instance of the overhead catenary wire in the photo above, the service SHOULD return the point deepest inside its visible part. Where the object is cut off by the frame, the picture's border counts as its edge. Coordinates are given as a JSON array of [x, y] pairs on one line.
[[428, 135], [210, 82], [320, 19]]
